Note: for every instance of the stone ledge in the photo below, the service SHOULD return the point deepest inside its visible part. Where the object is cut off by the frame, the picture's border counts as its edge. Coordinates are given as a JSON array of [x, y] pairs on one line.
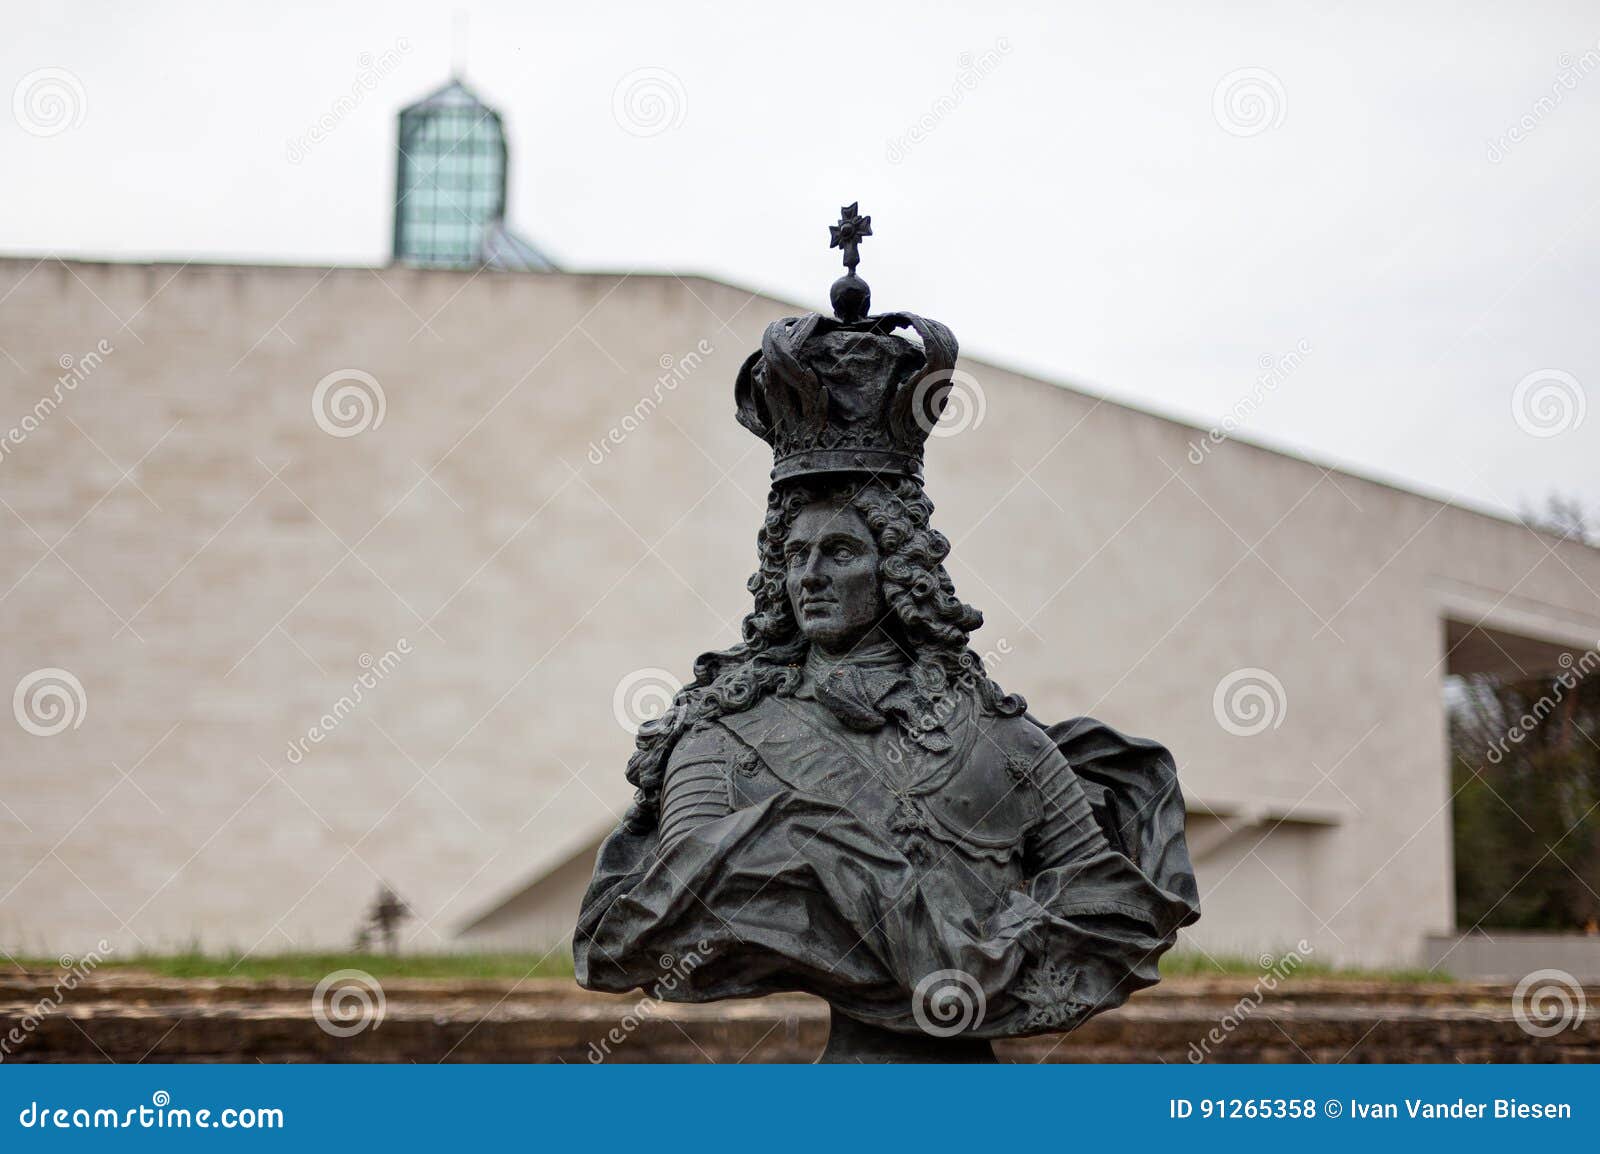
[[130, 1017]]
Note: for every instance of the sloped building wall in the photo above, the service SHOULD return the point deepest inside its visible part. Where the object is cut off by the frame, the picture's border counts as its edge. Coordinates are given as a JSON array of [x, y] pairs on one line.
[[312, 661]]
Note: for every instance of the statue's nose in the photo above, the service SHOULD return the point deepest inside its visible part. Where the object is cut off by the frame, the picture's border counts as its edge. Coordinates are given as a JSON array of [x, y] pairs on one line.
[[813, 578]]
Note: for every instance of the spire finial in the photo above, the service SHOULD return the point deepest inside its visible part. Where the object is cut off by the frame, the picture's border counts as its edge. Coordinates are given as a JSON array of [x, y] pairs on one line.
[[850, 295], [849, 233]]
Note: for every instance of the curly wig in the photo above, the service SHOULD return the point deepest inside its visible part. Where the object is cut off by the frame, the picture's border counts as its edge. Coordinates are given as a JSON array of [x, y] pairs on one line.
[[926, 618]]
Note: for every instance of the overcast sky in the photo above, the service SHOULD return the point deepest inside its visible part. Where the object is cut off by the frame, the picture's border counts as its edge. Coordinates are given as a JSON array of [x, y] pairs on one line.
[[1142, 200]]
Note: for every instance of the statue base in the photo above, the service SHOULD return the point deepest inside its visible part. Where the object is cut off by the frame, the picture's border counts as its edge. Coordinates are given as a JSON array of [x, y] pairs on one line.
[[853, 1041]]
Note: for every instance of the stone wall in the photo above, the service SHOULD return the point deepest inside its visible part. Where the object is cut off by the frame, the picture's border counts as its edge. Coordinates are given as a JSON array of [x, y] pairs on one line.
[[1509, 955]]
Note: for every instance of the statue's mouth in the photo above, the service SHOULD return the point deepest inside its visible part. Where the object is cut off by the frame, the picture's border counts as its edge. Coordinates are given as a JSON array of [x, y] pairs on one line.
[[817, 605]]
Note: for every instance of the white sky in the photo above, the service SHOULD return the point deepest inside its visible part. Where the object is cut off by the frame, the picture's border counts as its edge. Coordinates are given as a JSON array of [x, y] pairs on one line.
[[1081, 213]]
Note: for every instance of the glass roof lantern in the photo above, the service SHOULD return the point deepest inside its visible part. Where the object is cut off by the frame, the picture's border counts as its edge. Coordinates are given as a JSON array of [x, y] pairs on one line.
[[450, 192]]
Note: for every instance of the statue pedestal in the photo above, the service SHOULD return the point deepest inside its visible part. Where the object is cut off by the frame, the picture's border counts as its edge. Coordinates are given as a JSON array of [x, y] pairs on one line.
[[853, 1041]]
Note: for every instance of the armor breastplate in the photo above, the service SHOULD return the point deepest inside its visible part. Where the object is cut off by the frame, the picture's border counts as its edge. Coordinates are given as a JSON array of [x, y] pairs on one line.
[[964, 797]]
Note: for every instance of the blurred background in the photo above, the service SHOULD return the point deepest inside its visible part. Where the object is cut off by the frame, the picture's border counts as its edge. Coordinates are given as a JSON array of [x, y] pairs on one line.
[[367, 468]]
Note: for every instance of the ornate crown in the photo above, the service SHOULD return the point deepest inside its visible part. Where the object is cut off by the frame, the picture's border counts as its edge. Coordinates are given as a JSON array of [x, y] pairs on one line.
[[846, 394]]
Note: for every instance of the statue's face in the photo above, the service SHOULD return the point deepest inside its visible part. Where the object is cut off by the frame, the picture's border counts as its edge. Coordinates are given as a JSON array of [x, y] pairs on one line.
[[832, 575]]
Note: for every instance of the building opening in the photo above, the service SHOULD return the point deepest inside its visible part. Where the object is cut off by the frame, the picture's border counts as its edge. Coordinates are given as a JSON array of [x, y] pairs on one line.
[[1524, 721]]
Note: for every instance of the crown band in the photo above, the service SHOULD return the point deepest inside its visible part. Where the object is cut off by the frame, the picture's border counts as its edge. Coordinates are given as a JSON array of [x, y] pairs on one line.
[[883, 461]]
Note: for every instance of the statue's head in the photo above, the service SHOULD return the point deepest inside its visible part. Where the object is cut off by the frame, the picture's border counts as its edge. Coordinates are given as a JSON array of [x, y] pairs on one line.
[[848, 557]]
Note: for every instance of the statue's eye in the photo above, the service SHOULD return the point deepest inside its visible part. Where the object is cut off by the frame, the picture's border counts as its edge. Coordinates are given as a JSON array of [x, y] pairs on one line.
[[843, 553]]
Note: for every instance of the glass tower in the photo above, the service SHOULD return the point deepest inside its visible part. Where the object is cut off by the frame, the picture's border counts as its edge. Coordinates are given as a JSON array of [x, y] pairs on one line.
[[451, 189]]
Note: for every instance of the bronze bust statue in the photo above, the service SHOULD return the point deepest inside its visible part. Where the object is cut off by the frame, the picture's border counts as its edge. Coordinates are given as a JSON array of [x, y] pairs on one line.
[[845, 803]]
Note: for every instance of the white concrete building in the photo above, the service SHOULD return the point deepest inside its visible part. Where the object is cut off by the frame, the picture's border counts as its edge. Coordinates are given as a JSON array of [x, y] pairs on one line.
[[321, 645]]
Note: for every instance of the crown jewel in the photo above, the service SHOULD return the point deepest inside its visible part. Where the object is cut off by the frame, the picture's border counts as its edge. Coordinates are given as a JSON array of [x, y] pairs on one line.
[[847, 393]]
